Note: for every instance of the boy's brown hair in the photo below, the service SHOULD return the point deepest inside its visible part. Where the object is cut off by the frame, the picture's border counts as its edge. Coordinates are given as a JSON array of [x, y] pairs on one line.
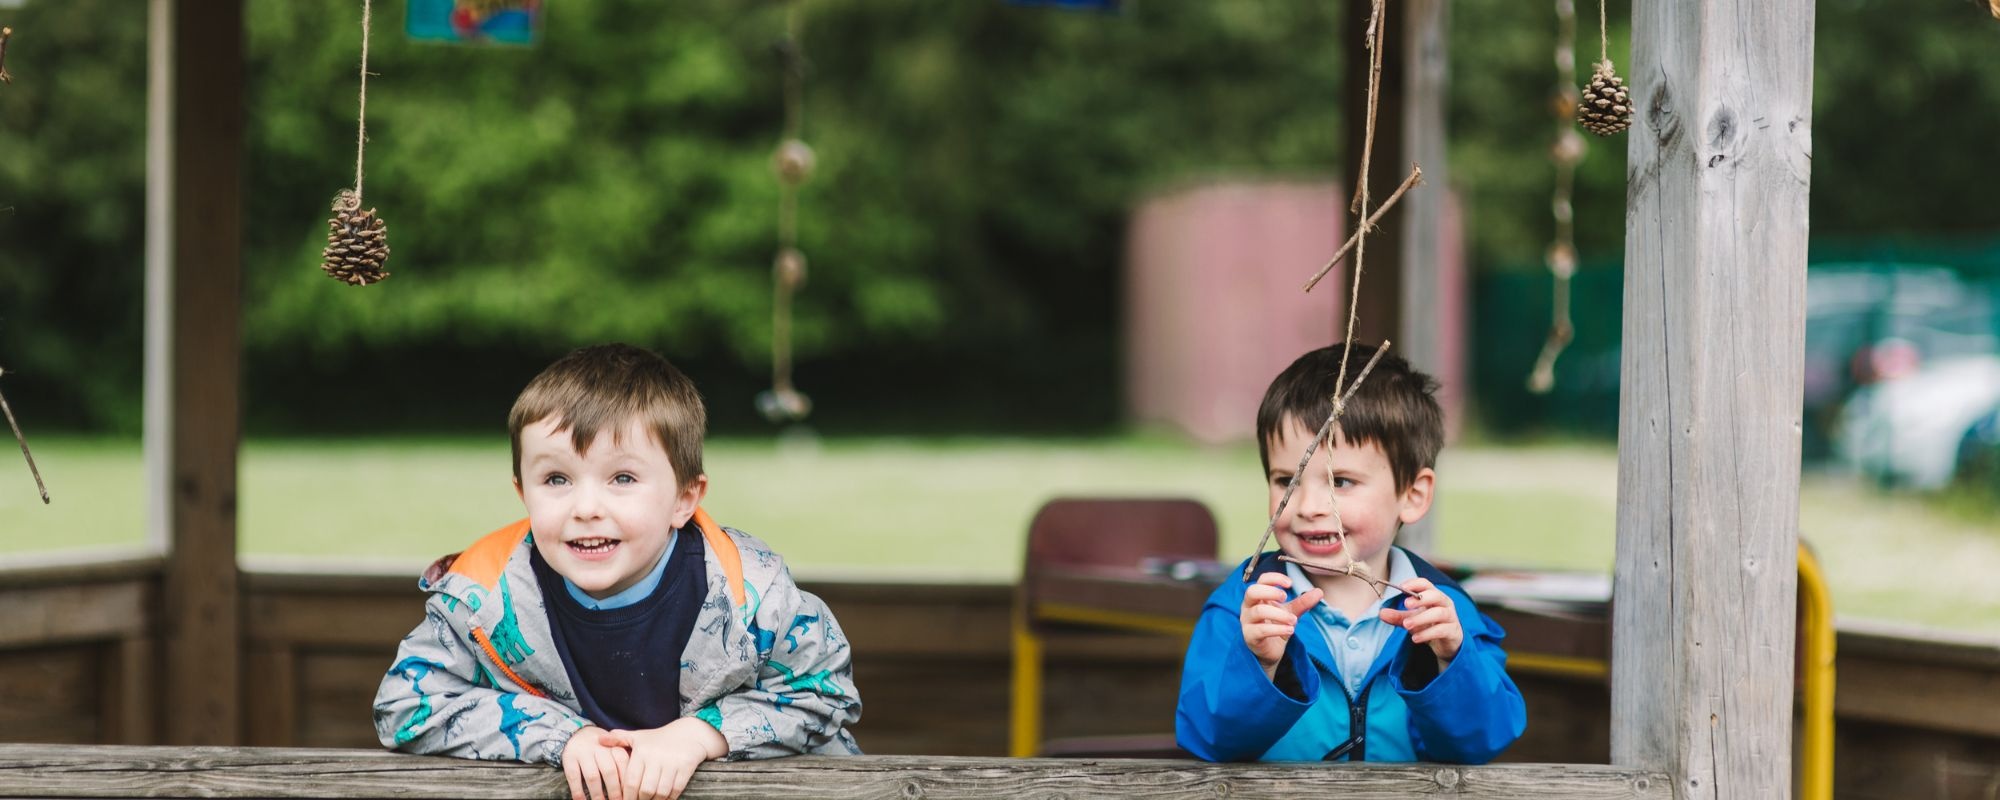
[[1396, 408], [602, 388]]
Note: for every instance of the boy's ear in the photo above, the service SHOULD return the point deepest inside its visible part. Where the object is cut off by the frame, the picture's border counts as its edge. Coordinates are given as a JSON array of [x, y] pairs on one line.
[[518, 492], [689, 498], [1416, 499]]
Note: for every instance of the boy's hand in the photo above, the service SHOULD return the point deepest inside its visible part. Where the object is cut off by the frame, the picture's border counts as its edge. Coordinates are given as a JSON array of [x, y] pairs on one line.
[[1431, 619], [594, 766], [1268, 620], [664, 758]]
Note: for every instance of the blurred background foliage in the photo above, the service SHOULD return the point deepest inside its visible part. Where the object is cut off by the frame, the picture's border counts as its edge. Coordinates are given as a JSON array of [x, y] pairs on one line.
[[977, 161]]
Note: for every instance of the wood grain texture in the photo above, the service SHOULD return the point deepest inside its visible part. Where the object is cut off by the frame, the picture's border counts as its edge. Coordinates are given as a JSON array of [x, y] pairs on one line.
[[1718, 175], [43, 771], [51, 614], [194, 310], [1425, 56]]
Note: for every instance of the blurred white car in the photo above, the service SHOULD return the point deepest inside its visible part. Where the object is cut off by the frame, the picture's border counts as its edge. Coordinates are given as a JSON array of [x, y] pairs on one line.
[[1907, 430]]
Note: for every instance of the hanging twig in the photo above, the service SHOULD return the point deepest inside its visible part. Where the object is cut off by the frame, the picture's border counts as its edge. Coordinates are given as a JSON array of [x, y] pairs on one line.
[[5, 34], [1416, 177], [9, 411], [1339, 403]]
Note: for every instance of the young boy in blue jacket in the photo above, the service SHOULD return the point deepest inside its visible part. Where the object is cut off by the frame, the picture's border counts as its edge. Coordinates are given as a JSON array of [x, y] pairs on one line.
[[1305, 662]]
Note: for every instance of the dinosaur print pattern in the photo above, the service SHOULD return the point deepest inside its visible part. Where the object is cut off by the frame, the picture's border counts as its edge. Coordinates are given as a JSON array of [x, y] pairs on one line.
[[506, 636], [801, 623], [513, 719]]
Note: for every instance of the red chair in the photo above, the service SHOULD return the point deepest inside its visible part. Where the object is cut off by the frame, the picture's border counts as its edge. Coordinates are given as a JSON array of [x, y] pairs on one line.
[[1088, 564]]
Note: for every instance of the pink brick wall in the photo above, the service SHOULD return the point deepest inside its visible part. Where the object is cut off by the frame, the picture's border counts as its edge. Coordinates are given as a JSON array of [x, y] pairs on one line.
[[1213, 307], [1212, 300]]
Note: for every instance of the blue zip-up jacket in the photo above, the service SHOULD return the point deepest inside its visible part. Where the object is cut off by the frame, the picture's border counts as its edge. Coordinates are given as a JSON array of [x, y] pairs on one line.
[[1229, 711]]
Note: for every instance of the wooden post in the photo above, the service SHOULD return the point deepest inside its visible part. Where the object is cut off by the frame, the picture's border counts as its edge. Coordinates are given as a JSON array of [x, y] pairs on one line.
[[1399, 282], [1381, 300], [193, 273], [1715, 256], [1425, 58]]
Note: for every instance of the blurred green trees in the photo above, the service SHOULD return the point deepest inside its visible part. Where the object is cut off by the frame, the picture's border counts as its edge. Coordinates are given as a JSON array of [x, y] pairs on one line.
[[965, 226]]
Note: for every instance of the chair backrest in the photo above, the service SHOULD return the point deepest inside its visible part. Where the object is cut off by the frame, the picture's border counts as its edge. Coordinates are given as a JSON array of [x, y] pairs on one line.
[[1119, 532]]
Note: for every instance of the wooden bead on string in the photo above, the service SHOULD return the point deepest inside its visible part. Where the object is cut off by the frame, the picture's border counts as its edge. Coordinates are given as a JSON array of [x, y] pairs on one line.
[[793, 161], [789, 268]]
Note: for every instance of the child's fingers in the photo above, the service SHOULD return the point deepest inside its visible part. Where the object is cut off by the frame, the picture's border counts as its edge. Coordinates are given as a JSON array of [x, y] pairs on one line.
[[1429, 618], [646, 786], [1278, 614], [609, 785], [1435, 633], [615, 739], [1278, 579], [1266, 631], [1306, 600], [1263, 594], [573, 774], [1417, 586], [680, 780], [1394, 616]]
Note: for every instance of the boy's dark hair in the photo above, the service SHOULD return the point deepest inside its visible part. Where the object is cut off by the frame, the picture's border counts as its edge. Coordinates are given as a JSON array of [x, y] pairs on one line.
[[1396, 408], [602, 388]]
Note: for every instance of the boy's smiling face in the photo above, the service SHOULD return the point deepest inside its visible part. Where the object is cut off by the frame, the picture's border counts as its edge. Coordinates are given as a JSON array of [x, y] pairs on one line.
[[1371, 507], [602, 517]]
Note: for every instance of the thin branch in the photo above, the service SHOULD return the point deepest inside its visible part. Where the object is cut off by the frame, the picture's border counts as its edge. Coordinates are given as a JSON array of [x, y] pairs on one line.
[[24, 445], [1354, 569], [1416, 177], [5, 34]]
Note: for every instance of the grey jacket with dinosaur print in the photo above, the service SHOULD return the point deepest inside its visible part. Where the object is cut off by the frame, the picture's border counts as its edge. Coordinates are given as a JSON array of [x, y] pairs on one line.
[[766, 664]]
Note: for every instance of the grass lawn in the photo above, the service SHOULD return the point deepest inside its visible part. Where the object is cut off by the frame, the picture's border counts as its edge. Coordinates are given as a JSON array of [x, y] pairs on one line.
[[958, 509]]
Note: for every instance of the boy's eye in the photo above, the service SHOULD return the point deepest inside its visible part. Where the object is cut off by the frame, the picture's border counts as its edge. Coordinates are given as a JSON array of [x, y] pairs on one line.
[[556, 480], [1342, 482], [624, 478]]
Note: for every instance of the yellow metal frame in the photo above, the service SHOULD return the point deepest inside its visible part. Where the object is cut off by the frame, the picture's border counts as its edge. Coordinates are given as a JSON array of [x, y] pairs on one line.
[[1815, 778], [1816, 741], [1026, 700]]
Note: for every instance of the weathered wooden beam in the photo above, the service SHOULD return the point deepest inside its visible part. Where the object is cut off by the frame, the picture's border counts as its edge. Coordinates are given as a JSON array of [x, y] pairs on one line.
[[1425, 53], [1718, 174], [193, 313], [41, 771], [1381, 300]]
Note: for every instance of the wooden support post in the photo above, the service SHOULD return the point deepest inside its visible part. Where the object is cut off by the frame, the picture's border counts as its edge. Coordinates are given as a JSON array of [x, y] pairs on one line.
[[1381, 301], [1400, 281], [1425, 56], [1715, 273], [193, 273]]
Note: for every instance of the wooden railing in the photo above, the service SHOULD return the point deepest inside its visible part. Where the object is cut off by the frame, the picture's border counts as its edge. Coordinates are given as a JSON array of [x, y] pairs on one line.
[[48, 771]]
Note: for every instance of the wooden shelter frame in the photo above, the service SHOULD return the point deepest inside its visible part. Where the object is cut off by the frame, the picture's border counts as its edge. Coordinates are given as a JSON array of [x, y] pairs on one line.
[[1716, 226]]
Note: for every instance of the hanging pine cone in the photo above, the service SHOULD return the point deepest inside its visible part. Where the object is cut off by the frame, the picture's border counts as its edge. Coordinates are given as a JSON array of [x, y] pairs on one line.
[[1606, 108], [356, 243]]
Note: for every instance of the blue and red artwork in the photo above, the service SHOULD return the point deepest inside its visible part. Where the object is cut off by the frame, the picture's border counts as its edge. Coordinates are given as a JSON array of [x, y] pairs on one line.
[[485, 21]]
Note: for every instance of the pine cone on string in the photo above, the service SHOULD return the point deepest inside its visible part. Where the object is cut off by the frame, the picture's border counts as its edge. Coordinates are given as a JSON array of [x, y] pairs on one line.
[[356, 243], [1606, 107]]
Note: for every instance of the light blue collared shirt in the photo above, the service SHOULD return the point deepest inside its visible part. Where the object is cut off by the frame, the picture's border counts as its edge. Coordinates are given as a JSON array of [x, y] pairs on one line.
[[638, 592], [1356, 643]]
